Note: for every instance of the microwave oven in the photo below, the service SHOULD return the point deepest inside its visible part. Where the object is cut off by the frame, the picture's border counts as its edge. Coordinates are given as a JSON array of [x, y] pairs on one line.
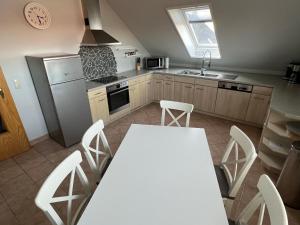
[[152, 63]]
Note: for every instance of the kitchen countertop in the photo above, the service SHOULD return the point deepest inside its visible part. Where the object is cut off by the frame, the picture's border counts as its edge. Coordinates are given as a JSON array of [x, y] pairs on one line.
[[285, 97]]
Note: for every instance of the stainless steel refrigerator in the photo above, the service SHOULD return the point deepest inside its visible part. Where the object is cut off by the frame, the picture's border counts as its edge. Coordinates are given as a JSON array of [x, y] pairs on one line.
[[60, 86]]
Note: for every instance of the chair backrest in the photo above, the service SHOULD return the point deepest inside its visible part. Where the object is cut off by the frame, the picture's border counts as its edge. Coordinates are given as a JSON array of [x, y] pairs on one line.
[[101, 156], [238, 140], [267, 196], [185, 107], [45, 197]]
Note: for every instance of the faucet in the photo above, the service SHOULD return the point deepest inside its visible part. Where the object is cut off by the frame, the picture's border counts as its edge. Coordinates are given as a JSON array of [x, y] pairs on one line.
[[204, 60]]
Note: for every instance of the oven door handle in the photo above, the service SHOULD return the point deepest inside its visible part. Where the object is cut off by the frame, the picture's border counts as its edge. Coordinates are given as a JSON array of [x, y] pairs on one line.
[[114, 93]]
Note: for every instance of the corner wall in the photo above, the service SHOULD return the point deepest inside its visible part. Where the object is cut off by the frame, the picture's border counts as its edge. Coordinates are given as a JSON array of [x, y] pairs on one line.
[[64, 35]]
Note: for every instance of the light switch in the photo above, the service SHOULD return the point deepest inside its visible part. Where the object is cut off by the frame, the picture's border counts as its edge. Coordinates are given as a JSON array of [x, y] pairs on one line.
[[17, 84]]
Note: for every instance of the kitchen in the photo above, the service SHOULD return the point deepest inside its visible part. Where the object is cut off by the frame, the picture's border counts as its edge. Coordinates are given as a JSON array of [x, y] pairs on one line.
[[121, 87]]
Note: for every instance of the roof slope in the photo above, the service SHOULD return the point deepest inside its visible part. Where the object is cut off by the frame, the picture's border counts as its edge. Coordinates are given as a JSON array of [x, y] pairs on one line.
[[253, 34]]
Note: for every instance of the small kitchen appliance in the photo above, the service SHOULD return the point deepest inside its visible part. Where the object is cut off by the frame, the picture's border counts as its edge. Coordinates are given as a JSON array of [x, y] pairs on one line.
[[152, 63], [295, 76]]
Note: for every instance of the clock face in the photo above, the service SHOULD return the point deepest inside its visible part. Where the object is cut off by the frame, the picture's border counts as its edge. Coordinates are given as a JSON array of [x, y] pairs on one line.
[[37, 15]]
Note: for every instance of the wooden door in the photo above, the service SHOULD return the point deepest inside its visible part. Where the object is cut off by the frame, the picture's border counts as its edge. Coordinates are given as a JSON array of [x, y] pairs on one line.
[[205, 98], [168, 90], [13, 139], [232, 104], [258, 108], [99, 108], [149, 91], [187, 93], [158, 90]]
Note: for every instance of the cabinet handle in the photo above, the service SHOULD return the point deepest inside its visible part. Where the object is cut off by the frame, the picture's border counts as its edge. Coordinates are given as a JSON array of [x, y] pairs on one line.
[[101, 100], [158, 82], [188, 87], [100, 93], [201, 89], [168, 84]]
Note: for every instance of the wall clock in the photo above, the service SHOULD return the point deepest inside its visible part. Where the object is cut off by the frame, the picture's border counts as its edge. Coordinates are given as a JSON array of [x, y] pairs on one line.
[[37, 15]]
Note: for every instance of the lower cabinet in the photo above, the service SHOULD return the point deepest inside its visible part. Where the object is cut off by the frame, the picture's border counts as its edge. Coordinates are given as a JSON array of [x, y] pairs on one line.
[[149, 91], [142, 92], [158, 90], [183, 92], [99, 108], [258, 108], [168, 90], [205, 98], [134, 96], [232, 104]]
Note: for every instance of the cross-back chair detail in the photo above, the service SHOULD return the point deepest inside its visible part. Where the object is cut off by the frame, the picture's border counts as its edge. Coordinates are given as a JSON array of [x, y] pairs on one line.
[[45, 197], [96, 163], [238, 139], [185, 107], [267, 197]]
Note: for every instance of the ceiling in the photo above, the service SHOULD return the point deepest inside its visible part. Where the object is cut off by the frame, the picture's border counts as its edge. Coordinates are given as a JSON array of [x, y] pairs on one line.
[[253, 35]]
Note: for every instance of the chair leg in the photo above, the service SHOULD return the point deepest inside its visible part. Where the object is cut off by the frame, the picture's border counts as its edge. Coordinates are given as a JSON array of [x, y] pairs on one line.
[[228, 203]]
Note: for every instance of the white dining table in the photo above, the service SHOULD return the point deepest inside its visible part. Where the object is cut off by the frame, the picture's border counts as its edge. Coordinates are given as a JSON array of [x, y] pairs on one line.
[[159, 176]]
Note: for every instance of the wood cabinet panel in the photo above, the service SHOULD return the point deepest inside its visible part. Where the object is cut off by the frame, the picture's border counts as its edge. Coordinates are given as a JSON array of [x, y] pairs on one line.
[[206, 82], [142, 92], [168, 90], [183, 79], [187, 93], [158, 89], [232, 104], [99, 108], [178, 91], [262, 90], [258, 108], [205, 98], [134, 96], [149, 91]]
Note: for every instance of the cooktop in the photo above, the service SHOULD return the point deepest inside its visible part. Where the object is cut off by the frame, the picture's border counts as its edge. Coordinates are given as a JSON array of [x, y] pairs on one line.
[[109, 79]]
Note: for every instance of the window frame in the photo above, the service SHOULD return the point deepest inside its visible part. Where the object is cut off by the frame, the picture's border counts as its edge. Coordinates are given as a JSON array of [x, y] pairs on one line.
[[198, 49]]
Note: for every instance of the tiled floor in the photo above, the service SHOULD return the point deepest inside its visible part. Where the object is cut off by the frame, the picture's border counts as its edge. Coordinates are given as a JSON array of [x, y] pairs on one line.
[[22, 176]]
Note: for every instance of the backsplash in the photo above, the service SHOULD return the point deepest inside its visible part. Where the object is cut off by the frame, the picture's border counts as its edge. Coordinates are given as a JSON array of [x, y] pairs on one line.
[[97, 61]]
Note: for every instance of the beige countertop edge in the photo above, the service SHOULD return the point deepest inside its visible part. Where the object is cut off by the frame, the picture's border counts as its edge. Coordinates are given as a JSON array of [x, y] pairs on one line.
[[283, 99]]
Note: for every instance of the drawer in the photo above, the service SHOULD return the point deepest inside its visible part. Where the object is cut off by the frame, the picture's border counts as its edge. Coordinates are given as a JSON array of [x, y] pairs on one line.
[[157, 76], [148, 77], [168, 77], [182, 79], [98, 92], [205, 82], [133, 81], [262, 90], [63, 69]]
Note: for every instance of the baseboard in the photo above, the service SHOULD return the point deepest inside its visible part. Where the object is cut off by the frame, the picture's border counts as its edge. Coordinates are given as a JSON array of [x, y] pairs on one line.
[[39, 139]]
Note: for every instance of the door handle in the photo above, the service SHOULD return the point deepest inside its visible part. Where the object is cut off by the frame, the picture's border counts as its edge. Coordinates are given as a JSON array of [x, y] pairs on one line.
[[1, 93]]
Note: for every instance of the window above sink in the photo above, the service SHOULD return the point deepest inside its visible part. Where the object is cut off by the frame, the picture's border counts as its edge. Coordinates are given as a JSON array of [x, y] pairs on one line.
[[197, 30]]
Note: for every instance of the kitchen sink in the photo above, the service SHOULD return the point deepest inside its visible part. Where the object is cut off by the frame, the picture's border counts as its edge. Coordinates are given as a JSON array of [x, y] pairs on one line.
[[209, 74], [189, 72]]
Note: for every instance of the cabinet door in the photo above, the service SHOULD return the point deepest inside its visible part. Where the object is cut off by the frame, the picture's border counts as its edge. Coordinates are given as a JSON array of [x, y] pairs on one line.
[[149, 91], [178, 91], [205, 98], [134, 96], [99, 108], [158, 90], [258, 108], [142, 93], [187, 94], [168, 90], [232, 104]]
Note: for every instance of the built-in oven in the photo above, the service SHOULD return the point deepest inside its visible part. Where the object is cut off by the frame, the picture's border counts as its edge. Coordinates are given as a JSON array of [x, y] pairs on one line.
[[118, 96]]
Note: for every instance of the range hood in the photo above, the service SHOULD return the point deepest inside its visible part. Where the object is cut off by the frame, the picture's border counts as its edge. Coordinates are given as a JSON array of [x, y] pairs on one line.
[[94, 35]]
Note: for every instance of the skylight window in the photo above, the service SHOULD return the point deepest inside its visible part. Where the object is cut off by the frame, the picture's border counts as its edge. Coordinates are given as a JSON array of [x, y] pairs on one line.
[[196, 28]]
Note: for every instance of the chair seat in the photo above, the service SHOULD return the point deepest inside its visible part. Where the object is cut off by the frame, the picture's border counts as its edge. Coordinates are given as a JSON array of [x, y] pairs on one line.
[[232, 222], [222, 180]]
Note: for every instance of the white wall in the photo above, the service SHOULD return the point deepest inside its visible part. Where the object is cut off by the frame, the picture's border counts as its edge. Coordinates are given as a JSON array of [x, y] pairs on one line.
[[64, 35]]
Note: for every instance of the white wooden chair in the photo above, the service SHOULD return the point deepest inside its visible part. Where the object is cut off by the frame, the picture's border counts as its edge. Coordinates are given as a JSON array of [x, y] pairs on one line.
[[101, 158], [45, 197], [269, 197], [185, 107], [230, 183]]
